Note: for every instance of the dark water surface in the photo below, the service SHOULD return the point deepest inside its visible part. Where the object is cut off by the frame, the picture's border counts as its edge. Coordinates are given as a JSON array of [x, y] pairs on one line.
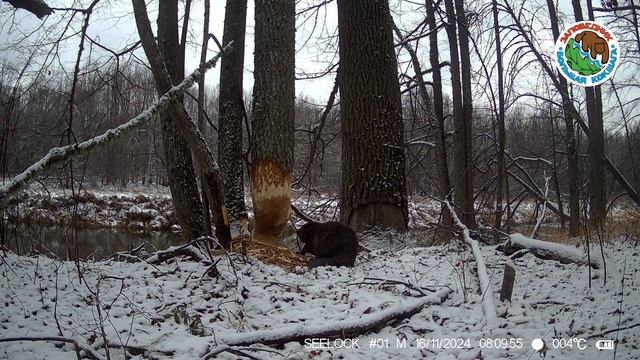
[[89, 243]]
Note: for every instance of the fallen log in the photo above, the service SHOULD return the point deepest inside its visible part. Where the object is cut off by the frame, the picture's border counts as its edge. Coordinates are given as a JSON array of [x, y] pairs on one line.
[[545, 250], [354, 326]]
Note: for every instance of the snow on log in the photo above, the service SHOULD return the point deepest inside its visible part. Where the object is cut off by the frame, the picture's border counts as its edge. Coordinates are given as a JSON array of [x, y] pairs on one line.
[[549, 251], [485, 285], [59, 154], [356, 325]]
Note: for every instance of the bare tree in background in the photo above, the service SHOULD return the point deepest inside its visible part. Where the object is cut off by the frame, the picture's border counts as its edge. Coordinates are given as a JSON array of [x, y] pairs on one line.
[[597, 180], [572, 158], [273, 117], [373, 162], [501, 181], [462, 177]]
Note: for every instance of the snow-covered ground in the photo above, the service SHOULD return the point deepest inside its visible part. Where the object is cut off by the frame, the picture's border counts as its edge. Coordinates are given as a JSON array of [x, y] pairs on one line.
[[176, 311]]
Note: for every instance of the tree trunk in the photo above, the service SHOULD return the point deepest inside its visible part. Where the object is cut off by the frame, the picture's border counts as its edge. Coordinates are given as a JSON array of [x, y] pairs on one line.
[[459, 143], [232, 108], [182, 178], [597, 179], [273, 117], [206, 215], [467, 110], [502, 137], [374, 192], [438, 109], [572, 158]]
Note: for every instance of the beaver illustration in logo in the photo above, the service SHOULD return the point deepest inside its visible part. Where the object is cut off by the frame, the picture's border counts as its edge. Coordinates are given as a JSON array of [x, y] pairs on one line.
[[594, 44]]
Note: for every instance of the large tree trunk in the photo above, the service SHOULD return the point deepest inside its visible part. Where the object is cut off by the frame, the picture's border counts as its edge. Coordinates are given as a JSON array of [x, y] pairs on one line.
[[374, 189], [438, 110], [572, 158], [273, 117], [232, 108], [182, 178], [467, 110]]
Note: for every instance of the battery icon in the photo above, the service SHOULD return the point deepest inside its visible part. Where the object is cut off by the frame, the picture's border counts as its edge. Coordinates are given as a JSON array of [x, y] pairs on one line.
[[605, 344]]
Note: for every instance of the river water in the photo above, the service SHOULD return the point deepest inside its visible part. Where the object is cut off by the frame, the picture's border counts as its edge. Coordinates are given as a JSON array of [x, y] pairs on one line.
[[89, 243]]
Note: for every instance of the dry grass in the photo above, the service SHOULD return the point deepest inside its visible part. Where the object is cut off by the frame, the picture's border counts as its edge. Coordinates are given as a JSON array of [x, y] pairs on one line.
[[623, 224]]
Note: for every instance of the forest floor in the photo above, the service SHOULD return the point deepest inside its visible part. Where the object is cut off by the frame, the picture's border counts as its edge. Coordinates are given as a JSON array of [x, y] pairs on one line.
[[176, 311]]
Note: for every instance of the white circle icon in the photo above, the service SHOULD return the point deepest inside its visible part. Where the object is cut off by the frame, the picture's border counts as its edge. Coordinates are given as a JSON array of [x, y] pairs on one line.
[[537, 344]]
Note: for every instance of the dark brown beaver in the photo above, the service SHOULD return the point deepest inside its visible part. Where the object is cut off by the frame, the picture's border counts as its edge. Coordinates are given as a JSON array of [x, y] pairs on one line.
[[333, 243]]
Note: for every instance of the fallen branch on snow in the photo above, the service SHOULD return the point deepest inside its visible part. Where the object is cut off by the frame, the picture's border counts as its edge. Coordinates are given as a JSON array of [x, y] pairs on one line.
[[548, 251], [485, 285], [340, 329], [189, 250]]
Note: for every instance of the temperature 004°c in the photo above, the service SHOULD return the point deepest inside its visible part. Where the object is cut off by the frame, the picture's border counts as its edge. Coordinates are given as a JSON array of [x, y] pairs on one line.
[[561, 343]]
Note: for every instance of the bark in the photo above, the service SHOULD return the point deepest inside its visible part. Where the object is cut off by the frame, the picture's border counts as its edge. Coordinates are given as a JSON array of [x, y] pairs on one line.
[[467, 110], [194, 138], [572, 158], [273, 117], [374, 192], [232, 108]]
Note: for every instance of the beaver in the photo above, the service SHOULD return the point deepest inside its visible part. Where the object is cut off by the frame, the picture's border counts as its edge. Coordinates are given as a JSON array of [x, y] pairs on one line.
[[333, 243]]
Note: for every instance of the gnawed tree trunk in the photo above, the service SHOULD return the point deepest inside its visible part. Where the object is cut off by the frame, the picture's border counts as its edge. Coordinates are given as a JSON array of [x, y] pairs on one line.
[[182, 178], [572, 158], [232, 108], [193, 136], [374, 189], [273, 117]]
